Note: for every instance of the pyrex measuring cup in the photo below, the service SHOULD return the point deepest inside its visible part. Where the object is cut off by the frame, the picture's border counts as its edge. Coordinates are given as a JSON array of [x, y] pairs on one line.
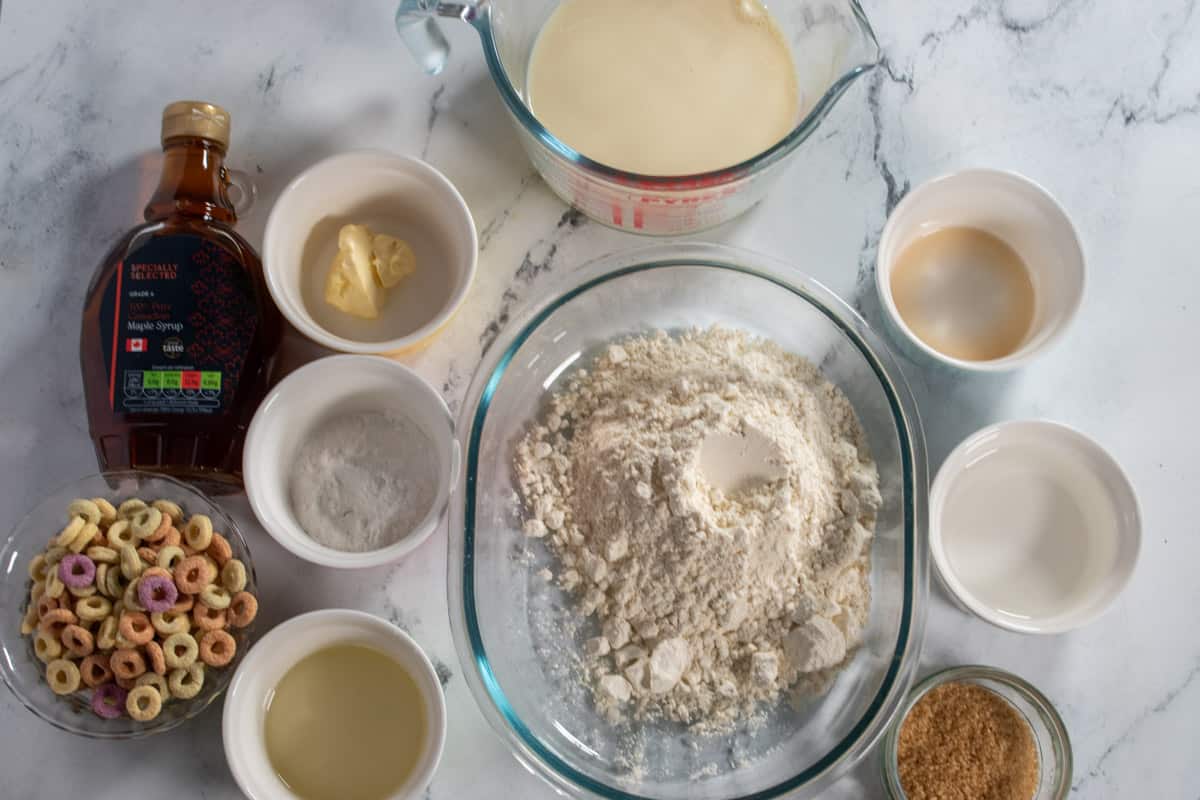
[[832, 44]]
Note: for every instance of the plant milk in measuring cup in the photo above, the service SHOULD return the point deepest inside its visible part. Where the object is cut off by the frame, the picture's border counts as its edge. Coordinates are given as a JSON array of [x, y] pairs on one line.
[[660, 116]]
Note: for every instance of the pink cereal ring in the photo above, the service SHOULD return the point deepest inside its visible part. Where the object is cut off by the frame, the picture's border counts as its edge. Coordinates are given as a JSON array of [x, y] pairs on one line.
[[76, 571], [157, 593], [108, 701]]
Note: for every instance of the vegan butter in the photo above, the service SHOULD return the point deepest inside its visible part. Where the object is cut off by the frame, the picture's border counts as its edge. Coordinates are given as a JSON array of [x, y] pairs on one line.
[[366, 265]]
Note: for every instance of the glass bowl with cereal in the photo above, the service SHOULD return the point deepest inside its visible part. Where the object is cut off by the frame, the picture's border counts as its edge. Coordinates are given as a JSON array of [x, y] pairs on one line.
[[131, 599]]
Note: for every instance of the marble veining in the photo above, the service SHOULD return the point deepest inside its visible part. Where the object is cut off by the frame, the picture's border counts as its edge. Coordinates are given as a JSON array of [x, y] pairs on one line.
[[1098, 100]]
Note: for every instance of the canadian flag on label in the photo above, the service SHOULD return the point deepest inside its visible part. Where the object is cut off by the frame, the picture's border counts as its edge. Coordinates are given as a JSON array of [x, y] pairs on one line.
[[135, 345]]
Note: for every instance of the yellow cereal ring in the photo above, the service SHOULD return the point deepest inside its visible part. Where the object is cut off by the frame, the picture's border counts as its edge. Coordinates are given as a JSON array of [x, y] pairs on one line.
[[209, 619], [78, 641], [82, 591], [143, 703], [70, 531], [158, 534], [37, 568], [186, 683], [93, 609], [112, 584], [130, 507], [233, 576], [135, 627], [108, 512], [103, 555], [120, 533], [63, 676], [55, 588], [30, 620], [95, 670], [217, 648], [127, 663], [170, 622], [155, 657], [145, 522], [215, 596], [53, 622], [220, 550], [54, 555], [85, 538], [86, 509], [159, 682], [102, 576], [180, 650], [169, 509], [46, 647], [129, 598], [106, 637], [198, 533], [36, 590], [242, 609], [169, 556]]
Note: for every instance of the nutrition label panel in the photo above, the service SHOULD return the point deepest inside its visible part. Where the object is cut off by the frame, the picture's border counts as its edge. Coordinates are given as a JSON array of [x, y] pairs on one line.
[[171, 391]]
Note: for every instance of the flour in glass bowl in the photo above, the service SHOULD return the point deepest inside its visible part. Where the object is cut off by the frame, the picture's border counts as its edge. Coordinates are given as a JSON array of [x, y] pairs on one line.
[[363, 481], [710, 502]]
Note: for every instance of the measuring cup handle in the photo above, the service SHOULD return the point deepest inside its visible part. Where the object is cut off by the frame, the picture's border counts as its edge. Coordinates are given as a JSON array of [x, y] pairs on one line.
[[417, 27], [240, 189]]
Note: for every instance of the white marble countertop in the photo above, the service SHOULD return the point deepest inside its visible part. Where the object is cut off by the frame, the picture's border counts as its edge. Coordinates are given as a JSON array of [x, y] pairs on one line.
[[1099, 101]]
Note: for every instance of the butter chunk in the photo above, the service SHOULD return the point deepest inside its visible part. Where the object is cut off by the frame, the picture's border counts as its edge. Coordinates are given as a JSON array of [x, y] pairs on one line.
[[352, 285], [393, 258]]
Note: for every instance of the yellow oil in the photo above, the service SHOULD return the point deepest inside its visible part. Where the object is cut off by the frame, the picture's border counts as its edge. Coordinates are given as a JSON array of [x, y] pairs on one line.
[[345, 723], [964, 292]]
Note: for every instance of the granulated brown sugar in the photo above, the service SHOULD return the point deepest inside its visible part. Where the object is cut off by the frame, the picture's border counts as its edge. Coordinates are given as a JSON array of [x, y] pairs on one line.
[[964, 742]]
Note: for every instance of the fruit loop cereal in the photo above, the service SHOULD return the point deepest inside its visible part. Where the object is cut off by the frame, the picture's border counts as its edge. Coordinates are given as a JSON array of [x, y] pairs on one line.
[[130, 604]]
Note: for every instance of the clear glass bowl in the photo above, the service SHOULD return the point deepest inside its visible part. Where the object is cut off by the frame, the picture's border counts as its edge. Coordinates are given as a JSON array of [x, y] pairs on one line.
[[1049, 732], [503, 615], [24, 674]]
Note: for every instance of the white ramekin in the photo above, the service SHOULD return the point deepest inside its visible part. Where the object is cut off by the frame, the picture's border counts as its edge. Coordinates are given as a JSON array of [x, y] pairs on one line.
[[1012, 208], [392, 194], [1072, 451], [306, 399], [270, 659]]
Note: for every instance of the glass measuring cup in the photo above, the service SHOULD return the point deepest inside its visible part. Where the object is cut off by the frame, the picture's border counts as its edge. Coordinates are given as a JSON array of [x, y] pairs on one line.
[[832, 44]]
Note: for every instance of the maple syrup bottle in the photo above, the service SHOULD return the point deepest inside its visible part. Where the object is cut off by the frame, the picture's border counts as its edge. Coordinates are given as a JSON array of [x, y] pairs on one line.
[[179, 334]]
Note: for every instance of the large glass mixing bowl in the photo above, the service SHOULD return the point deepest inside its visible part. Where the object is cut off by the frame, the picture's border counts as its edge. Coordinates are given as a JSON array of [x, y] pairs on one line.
[[832, 45], [505, 618]]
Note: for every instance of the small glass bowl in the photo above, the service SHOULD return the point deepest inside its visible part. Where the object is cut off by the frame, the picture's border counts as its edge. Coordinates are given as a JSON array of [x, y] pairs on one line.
[[20, 668], [1049, 733]]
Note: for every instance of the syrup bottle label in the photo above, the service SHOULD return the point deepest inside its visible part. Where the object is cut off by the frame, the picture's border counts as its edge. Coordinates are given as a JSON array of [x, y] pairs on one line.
[[176, 322]]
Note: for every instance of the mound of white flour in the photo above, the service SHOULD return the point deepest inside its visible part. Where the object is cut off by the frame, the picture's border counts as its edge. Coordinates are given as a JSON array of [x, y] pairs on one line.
[[710, 499]]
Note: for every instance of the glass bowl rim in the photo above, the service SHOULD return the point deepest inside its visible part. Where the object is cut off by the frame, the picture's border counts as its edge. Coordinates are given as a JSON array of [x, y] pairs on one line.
[[481, 21], [193, 708], [490, 696], [1060, 740]]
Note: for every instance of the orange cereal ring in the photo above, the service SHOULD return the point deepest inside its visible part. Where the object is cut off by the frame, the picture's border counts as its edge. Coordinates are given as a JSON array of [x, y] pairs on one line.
[[192, 575], [242, 609], [127, 664], [126, 683], [184, 604], [172, 539], [94, 670], [220, 549], [135, 627], [159, 571], [154, 654], [53, 622], [45, 605], [148, 554], [78, 641], [217, 648], [208, 619]]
